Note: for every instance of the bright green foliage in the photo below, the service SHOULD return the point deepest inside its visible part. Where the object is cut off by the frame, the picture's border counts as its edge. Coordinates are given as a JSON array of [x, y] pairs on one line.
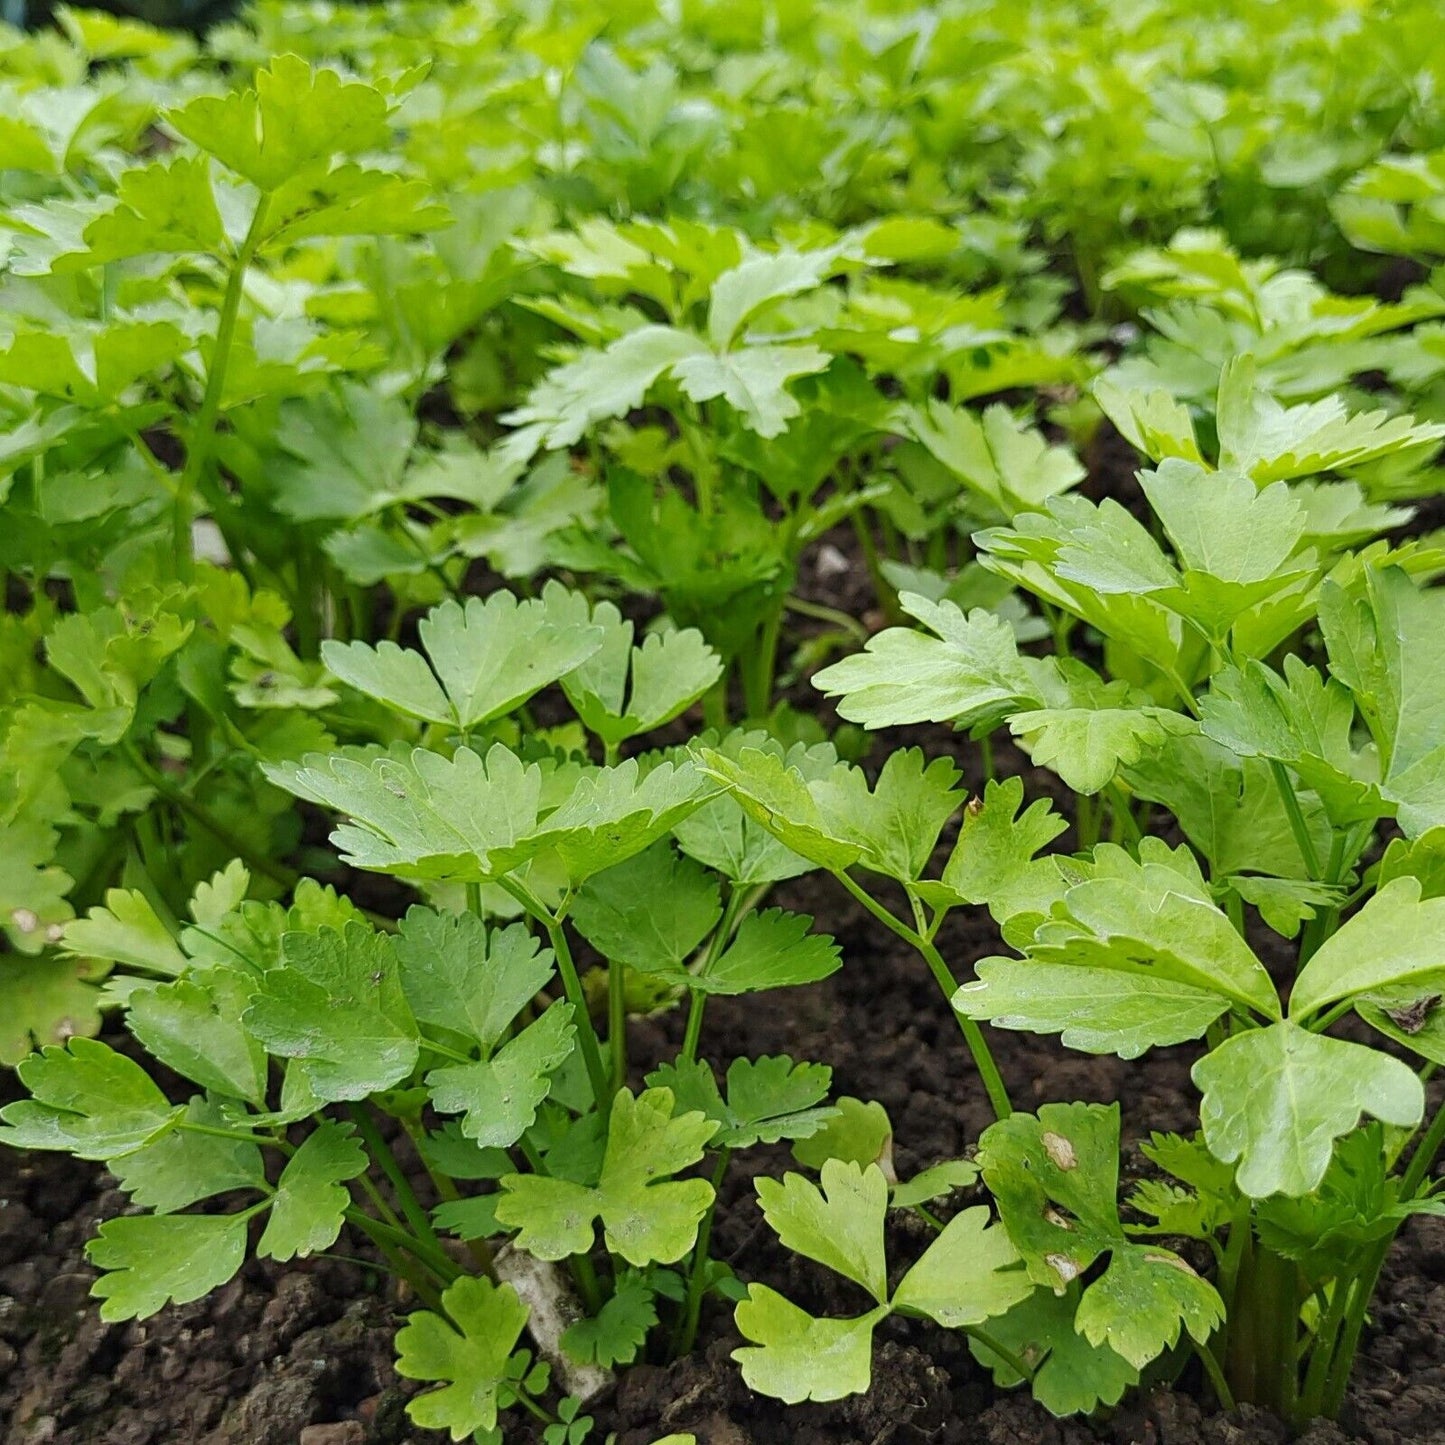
[[967, 1276], [1276, 1099], [468, 1350], [1133, 957], [152, 1260], [768, 1099], [425, 816], [486, 659], [351, 978], [311, 1195], [646, 1215]]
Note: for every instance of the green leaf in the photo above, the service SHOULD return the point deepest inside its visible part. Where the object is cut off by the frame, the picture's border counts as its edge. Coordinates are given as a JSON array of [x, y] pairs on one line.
[[1300, 719], [1072, 1376], [1235, 543], [969, 1274], [468, 1349], [421, 815], [647, 1217], [45, 1000], [1270, 441], [193, 1025], [311, 1195], [1086, 746], [619, 1330], [839, 1225], [165, 208], [772, 949], [795, 1357], [994, 860], [971, 673], [599, 384], [462, 976], [861, 1134], [768, 1099], [182, 1167], [336, 1006], [1395, 942], [1054, 1177], [622, 690], [1386, 640], [1152, 422], [151, 1261], [1136, 957], [613, 813], [499, 1096], [295, 118], [486, 659], [86, 1099], [721, 835], [1276, 1099], [752, 380], [650, 912], [935, 1182], [127, 930]]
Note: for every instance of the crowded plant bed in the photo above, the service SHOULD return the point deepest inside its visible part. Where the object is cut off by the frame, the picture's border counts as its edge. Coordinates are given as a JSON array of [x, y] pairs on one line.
[[723, 723]]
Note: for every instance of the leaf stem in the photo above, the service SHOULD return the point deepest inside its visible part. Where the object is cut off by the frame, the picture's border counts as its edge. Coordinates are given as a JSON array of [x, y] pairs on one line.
[[572, 986], [977, 1046], [1297, 824], [416, 1217], [617, 1023], [203, 433], [697, 1275]]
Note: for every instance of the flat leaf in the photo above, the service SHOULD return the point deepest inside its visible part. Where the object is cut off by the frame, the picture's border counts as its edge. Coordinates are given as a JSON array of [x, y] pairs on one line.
[[1072, 1376], [768, 1099], [795, 1357], [772, 949], [994, 860], [647, 1217], [969, 1274], [486, 659], [152, 1260], [467, 1349], [462, 976], [498, 1097], [619, 1330], [970, 673], [311, 1195], [193, 1025], [336, 1006], [650, 912], [839, 1225], [127, 930], [1055, 1179], [1276, 1099], [183, 1167], [88, 1100]]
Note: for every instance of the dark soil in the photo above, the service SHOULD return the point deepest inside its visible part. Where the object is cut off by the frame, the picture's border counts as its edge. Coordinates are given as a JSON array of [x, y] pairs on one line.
[[289, 1355]]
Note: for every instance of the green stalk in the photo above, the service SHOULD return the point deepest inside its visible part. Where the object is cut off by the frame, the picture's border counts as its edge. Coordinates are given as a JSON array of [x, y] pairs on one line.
[[739, 903], [418, 1221], [697, 1275], [972, 1035], [203, 434], [396, 1262], [617, 1022], [572, 987], [1297, 824], [759, 668]]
